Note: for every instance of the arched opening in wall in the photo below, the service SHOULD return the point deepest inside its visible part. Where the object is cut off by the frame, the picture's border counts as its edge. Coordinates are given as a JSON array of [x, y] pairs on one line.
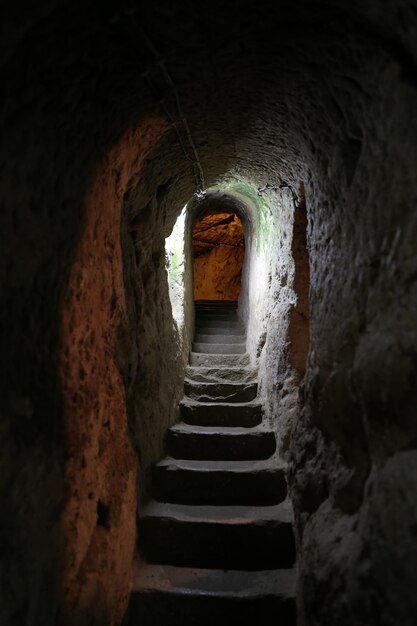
[[218, 247], [223, 212]]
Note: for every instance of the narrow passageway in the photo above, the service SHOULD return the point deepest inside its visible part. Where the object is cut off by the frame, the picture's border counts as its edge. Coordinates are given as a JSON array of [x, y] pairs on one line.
[[124, 126], [217, 540]]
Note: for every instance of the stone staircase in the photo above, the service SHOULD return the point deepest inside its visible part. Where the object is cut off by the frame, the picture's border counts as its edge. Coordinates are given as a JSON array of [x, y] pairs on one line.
[[216, 541]]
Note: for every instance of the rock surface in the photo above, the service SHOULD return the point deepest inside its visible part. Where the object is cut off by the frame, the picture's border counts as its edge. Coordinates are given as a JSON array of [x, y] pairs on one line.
[[92, 138], [218, 249]]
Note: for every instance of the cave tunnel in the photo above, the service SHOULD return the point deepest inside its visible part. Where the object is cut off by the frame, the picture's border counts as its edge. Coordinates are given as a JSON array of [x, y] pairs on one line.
[[123, 123]]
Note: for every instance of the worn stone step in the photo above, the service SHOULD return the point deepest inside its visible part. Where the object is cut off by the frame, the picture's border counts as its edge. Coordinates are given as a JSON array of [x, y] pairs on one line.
[[224, 537], [202, 319], [244, 414], [202, 302], [220, 392], [200, 338], [212, 312], [220, 330], [185, 441], [219, 360], [220, 348], [164, 594], [229, 305], [216, 306], [216, 311], [220, 323], [219, 482], [221, 374]]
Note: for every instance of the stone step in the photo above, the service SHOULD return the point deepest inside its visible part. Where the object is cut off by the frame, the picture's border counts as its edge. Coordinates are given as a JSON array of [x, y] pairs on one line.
[[245, 414], [185, 441], [216, 306], [184, 481], [216, 311], [219, 360], [221, 323], [212, 322], [220, 330], [220, 392], [202, 310], [221, 374], [203, 597], [218, 303], [200, 338], [220, 348], [223, 537]]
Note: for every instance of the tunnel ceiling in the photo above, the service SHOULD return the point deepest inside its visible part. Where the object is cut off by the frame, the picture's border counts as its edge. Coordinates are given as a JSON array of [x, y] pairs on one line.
[[262, 87]]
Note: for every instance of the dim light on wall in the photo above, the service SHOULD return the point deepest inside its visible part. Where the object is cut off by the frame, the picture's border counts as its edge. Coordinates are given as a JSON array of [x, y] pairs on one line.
[[175, 265]]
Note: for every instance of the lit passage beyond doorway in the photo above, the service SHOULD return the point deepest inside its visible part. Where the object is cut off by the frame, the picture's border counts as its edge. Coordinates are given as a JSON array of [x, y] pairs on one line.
[[218, 250]]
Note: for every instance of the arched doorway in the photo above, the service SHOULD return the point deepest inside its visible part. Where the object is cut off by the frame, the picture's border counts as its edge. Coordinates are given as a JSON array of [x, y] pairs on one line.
[[218, 245]]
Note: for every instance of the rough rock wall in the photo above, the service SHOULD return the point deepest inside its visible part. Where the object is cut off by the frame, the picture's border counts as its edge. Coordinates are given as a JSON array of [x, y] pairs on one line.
[[98, 518], [271, 297], [219, 251], [68, 479], [88, 531], [157, 348], [326, 95], [178, 261], [299, 322], [68, 469], [356, 431], [295, 355]]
